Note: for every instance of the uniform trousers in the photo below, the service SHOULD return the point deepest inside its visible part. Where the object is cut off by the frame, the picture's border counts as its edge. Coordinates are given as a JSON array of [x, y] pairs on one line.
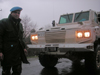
[[16, 70]]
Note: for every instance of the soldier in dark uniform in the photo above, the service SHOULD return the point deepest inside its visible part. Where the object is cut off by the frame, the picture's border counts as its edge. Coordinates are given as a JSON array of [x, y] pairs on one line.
[[12, 46]]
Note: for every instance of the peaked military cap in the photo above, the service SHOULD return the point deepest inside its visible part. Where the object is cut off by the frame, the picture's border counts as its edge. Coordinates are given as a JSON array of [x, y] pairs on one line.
[[15, 8]]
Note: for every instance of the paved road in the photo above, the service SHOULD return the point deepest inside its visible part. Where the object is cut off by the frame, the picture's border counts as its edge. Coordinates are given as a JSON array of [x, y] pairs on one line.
[[36, 69], [64, 67]]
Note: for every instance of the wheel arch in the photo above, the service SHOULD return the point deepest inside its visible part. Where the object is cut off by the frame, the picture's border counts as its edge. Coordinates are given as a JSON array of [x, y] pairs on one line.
[[96, 43]]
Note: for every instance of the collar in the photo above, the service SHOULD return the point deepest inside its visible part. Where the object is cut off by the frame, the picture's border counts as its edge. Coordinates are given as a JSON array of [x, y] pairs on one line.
[[13, 19]]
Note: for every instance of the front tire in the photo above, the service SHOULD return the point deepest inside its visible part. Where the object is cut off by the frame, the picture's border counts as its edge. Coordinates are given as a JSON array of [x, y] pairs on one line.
[[92, 60], [48, 61], [98, 57]]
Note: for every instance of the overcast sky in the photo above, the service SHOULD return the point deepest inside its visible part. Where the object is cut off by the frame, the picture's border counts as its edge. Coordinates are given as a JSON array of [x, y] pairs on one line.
[[43, 12]]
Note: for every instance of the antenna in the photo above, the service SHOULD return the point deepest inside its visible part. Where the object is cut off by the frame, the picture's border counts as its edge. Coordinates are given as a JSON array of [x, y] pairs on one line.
[[0, 9], [53, 10], [1, 13], [53, 22]]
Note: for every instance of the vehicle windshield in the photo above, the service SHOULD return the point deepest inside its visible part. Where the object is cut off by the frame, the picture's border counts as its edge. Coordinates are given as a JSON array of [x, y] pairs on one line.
[[82, 16], [66, 19]]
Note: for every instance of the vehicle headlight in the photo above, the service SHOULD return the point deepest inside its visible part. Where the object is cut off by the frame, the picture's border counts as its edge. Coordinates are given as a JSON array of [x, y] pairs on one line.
[[87, 34], [83, 34], [34, 37], [79, 34]]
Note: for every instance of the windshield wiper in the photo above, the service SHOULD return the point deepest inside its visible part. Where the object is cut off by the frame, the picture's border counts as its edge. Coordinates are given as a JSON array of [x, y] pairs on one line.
[[78, 15], [68, 17]]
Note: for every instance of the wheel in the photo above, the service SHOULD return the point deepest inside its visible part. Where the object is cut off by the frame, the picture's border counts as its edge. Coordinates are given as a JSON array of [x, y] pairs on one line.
[[92, 60], [47, 61], [98, 57]]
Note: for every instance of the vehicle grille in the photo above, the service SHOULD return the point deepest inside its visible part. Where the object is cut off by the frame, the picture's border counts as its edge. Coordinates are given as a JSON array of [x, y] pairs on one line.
[[55, 36]]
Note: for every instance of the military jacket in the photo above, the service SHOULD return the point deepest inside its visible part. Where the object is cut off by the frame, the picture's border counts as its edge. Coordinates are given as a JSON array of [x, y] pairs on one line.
[[11, 40]]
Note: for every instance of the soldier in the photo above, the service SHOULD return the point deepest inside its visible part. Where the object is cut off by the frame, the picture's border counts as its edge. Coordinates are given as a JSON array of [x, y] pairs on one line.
[[12, 46]]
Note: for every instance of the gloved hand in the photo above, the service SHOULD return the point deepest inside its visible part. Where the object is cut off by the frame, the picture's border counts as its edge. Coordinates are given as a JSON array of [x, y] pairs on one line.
[[1, 56], [25, 51]]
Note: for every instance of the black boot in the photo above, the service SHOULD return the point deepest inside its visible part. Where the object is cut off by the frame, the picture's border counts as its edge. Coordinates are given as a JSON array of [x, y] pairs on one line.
[[6, 73]]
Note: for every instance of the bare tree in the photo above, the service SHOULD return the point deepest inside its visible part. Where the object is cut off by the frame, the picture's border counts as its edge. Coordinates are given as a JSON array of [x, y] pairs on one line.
[[28, 26], [47, 26]]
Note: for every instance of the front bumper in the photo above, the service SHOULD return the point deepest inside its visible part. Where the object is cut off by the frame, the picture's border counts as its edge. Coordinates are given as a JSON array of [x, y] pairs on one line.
[[65, 47]]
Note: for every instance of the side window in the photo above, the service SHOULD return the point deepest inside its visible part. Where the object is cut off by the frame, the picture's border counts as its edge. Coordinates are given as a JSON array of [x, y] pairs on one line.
[[62, 20], [66, 19], [95, 18]]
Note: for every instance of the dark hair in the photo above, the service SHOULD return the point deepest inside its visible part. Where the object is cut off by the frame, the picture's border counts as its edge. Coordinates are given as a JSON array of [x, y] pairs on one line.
[[15, 11]]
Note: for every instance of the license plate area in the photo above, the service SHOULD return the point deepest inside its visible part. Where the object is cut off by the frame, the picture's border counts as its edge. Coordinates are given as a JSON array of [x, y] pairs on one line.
[[51, 49]]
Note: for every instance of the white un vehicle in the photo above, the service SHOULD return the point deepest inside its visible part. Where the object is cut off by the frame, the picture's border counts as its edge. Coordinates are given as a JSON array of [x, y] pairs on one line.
[[76, 37]]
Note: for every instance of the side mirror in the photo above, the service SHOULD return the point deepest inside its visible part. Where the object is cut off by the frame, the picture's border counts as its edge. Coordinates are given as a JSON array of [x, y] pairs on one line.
[[99, 17], [53, 23]]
